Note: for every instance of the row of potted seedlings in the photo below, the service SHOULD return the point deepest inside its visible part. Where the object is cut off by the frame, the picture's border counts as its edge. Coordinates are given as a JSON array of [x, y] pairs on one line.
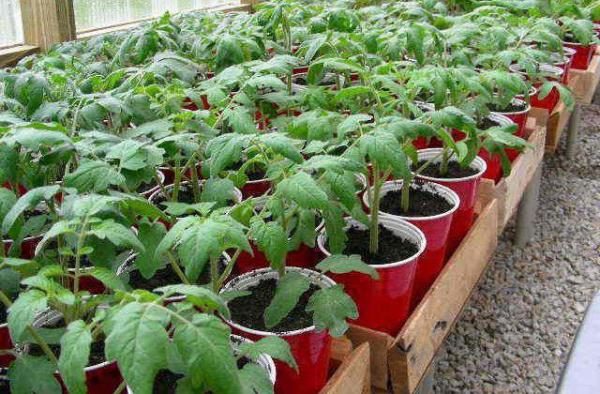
[[175, 219]]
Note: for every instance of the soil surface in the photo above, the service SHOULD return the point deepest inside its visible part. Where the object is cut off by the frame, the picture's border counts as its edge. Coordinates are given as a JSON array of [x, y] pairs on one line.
[[165, 382], [186, 195], [144, 187], [511, 107], [249, 311], [454, 170], [421, 203], [487, 123], [391, 247]]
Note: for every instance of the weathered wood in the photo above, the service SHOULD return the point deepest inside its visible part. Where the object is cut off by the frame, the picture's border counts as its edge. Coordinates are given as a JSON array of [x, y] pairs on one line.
[[556, 125], [403, 360], [583, 83], [509, 190], [47, 22], [352, 376], [423, 334], [10, 56]]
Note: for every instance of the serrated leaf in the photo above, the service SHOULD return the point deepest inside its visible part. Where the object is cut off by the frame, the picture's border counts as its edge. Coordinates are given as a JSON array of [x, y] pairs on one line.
[[33, 375], [255, 379], [272, 240], [304, 190], [331, 307], [273, 346], [202, 297], [116, 233], [150, 235], [24, 310], [29, 200], [94, 176], [340, 264], [289, 289], [74, 355], [108, 278]]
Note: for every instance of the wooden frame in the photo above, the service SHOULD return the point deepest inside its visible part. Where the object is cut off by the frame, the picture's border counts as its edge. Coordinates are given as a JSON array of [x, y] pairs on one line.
[[350, 369], [583, 83], [400, 363], [509, 190]]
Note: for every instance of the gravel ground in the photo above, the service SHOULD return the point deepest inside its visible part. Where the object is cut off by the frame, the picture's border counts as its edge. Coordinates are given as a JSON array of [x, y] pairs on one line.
[[516, 331]]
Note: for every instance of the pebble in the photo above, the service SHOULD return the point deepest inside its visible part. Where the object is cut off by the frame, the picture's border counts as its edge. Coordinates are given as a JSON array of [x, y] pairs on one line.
[[516, 331]]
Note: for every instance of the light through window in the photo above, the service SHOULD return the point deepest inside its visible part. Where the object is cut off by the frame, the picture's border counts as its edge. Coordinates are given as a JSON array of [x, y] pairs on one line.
[[11, 26]]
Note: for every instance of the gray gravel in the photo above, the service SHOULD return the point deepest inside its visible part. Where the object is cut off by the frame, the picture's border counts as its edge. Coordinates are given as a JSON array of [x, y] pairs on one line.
[[516, 331]]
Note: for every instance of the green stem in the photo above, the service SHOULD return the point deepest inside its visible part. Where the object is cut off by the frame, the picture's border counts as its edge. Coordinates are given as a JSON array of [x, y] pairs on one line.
[[177, 269], [444, 162], [374, 202], [405, 203]]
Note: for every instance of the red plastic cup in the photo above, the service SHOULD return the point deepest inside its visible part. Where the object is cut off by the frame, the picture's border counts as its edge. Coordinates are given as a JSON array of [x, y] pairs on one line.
[[466, 189], [149, 192], [436, 229], [520, 119], [5, 344], [311, 348], [384, 303], [28, 246], [553, 73], [583, 54], [256, 188], [303, 257]]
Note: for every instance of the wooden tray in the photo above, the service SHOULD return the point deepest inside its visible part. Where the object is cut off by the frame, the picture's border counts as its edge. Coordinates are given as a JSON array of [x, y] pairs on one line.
[[349, 369], [555, 124], [509, 190], [398, 364], [583, 83]]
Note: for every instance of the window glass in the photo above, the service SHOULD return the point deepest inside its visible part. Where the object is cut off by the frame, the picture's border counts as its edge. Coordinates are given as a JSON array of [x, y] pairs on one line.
[[11, 27]]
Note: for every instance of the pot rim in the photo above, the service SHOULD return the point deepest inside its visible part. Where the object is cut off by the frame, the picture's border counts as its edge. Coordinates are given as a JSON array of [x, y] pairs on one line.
[[384, 221], [316, 278], [445, 192], [526, 110], [556, 72], [578, 44], [151, 191], [478, 162]]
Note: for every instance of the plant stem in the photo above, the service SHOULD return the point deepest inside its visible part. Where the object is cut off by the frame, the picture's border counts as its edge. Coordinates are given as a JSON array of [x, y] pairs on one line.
[[444, 162], [214, 274], [405, 202], [177, 269], [374, 223], [80, 244]]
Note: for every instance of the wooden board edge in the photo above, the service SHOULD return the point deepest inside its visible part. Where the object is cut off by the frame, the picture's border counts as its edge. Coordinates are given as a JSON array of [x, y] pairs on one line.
[[556, 124], [379, 343], [353, 375], [417, 343], [10, 56]]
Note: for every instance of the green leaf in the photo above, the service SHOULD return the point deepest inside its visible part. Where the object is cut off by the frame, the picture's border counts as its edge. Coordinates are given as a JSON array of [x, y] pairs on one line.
[[202, 297], [385, 150], [272, 240], [340, 264], [35, 135], [273, 346], [33, 375], [138, 342], [206, 349], [218, 190], [94, 176], [304, 190], [74, 354], [150, 235], [24, 310], [108, 278], [29, 200], [116, 233], [331, 307], [289, 289], [255, 379]]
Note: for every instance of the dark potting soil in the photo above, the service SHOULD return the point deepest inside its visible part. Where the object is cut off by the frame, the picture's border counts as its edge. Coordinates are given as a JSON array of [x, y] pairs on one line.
[[3, 314], [302, 79], [511, 107], [186, 195], [165, 382], [487, 123], [166, 276], [144, 187], [248, 311], [4, 385], [454, 170], [392, 248], [421, 203]]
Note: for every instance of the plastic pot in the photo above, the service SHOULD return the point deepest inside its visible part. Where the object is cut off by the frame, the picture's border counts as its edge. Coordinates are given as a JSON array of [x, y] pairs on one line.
[[5, 344], [583, 54], [256, 188], [303, 257], [311, 348], [169, 173], [149, 192], [553, 73], [520, 119], [384, 303], [466, 188], [28, 246], [100, 378], [436, 229]]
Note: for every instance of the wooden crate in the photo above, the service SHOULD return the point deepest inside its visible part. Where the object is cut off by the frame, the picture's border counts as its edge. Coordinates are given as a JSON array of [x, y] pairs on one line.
[[555, 124], [509, 190], [350, 369], [583, 83], [399, 363]]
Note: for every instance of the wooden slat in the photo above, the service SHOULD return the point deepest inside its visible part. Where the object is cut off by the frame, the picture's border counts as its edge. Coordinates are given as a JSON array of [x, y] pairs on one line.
[[556, 125], [352, 377], [47, 22], [583, 83], [379, 344], [423, 334], [9, 57]]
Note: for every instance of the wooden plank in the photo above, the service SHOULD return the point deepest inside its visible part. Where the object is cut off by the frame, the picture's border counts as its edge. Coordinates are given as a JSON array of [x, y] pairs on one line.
[[9, 57], [556, 124], [379, 344], [353, 375], [583, 83], [423, 334], [47, 22]]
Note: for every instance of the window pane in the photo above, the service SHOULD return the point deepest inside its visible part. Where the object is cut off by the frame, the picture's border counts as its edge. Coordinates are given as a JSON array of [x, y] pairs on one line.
[[11, 28], [94, 14]]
